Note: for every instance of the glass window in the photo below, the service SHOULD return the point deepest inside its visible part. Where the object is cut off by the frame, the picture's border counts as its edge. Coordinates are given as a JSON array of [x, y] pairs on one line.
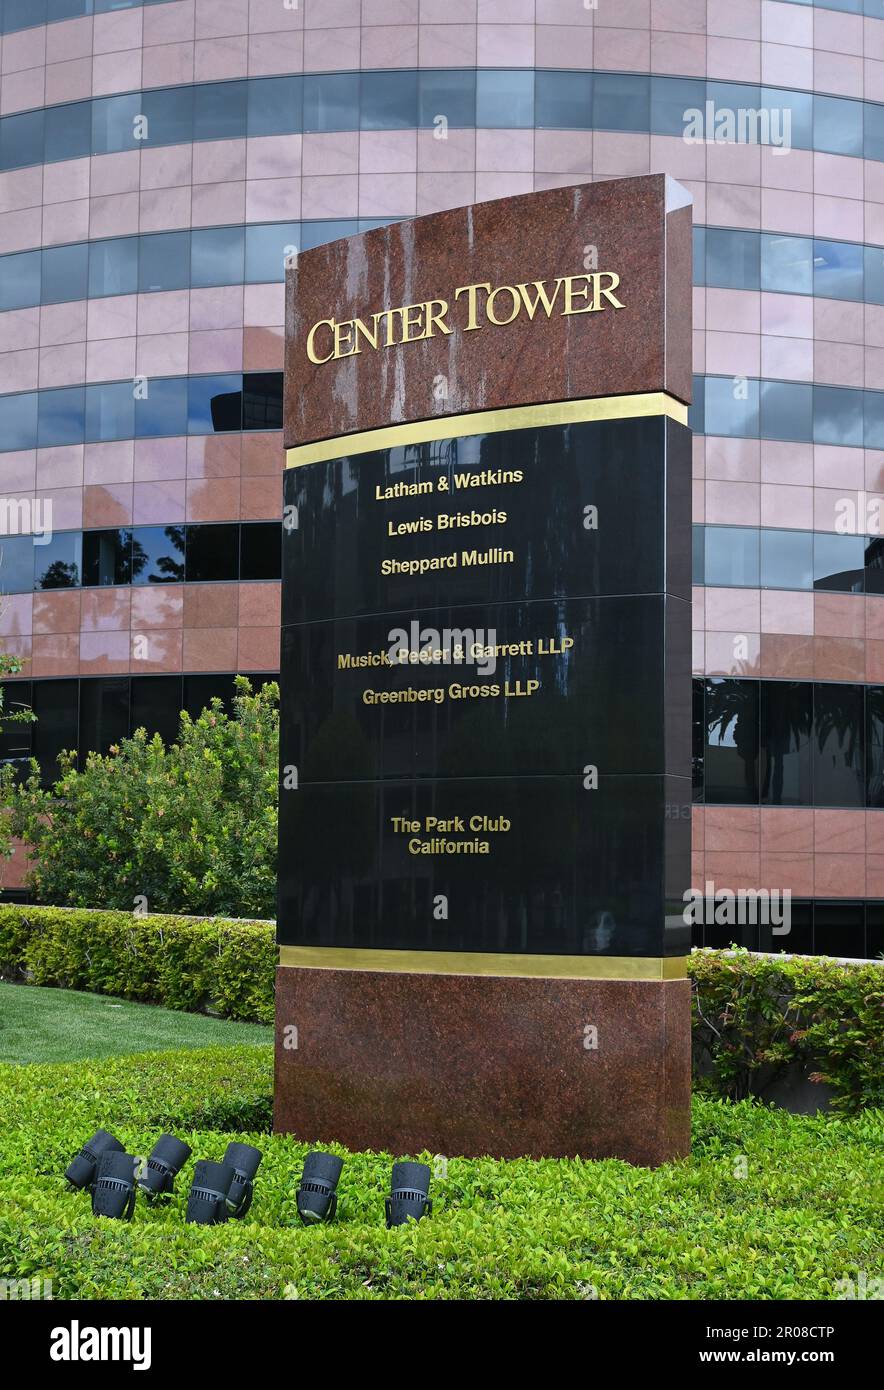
[[107, 557], [838, 745], [18, 421], [839, 930], [164, 261], [274, 106], [674, 102], [699, 255], [731, 742], [199, 691], [731, 558], [873, 419], [260, 554], [23, 14], [20, 280], [65, 273], [156, 705], [731, 407], [697, 739], [15, 737], [732, 259], [110, 411], [787, 410], [837, 270], [61, 417], [113, 266], [786, 559], [331, 101], [69, 9], [504, 99], [450, 93], [875, 566], [114, 123], [68, 131], [16, 564], [564, 100], [838, 562], [267, 249], [158, 555], [789, 117], [104, 713], [786, 719], [873, 121], [262, 401], [837, 125], [837, 415], [57, 564], [798, 939], [874, 743], [621, 101], [388, 100], [318, 233], [169, 115], [786, 264], [873, 273], [735, 120], [163, 411], [56, 705], [214, 404], [21, 140], [217, 256], [219, 110], [212, 553]]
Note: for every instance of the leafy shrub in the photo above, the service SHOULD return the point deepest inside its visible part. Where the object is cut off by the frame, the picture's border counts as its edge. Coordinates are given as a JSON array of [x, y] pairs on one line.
[[189, 828], [770, 1205], [755, 1016], [213, 965]]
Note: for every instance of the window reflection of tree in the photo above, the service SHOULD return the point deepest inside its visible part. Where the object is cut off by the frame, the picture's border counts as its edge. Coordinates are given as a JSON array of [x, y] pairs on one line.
[[731, 710], [787, 722], [59, 575], [167, 569], [838, 720]]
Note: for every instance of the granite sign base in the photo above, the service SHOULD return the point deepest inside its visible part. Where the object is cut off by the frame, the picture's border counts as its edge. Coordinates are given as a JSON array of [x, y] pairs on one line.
[[484, 1064]]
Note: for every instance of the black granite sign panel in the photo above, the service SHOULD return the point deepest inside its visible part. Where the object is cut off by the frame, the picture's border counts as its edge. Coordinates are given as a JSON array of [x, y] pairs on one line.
[[484, 642]]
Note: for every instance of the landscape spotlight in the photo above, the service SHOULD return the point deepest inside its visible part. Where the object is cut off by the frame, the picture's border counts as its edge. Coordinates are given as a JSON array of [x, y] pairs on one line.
[[207, 1198], [81, 1171], [408, 1193], [167, 1157], [317, 1199], [243, 1162], [114, 1191]]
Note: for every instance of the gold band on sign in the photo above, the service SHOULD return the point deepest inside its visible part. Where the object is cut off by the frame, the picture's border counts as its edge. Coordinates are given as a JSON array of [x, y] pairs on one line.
[[517, 417], [485, 963]]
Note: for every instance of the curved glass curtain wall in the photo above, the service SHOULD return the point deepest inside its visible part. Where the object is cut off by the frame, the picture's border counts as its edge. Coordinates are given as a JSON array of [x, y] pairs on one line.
[[407, 99]]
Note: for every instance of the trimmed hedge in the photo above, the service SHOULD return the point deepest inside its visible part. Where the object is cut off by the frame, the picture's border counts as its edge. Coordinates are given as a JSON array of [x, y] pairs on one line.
[[769, 1205], [755, 1016], [201, 965]]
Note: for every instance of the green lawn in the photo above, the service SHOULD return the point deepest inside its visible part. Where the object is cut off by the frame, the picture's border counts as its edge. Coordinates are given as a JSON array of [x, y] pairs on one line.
[[64, 1025]]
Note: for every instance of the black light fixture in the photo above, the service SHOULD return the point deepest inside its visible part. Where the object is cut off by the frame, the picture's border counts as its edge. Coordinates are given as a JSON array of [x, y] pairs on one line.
[[408, 1198], [317, 1199], [113, 1193], [243, 1161], [81, 1171], [167, 1157], [207, 1198]]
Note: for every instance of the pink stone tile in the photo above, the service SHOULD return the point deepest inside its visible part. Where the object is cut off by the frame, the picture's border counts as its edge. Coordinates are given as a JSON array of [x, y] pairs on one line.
[[839, 659], [114, 173], [564, 46], [158, 502], [727, 869], [447, 45], [732, 654], [263, 349], [114, 215], [160, 460], [16, 612], [110, 359], [163, 312], [783, 611], [116, 72], [70, 81], [214, 456], [104, 653], [56, 654], [166, 167], [281, 52], [209, 649], [791, 872], [786, 830], [157, 607], [167, 64], [169, 23], [66, 181], [839, 615], [619, 155], [56, 611], [64, 222], [839, 875], [334, 196], [258, 649], [786, 464], [331, 50], [71, 38], [60, 467], [734, 828], [24, 49], [162, 354], [261, 498], [259, 605], [786, 657], [156, 651], [114, 317], [105, 610], [839, 832], [215, 499], [109, 462], [21, 230], [107, 504], [732, 504], [264, 306], [786, 507], [733, 460], [211, 605], [218, 350], [875, 834], [217, 307], [732, 610], [624, 50], [274, 156]]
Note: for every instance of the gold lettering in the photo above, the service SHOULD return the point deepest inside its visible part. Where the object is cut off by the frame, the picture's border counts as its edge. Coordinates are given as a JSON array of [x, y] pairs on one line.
[[343, 338], [541, 297], [311, 339], [437, 318], [370, 337], [387, 315], [408, 323], [471, 291], [572, 292], [600, 294], [489, 307]]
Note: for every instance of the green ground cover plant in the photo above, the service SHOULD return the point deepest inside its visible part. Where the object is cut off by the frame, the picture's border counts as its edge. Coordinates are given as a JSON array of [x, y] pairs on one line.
[[769, 1205]]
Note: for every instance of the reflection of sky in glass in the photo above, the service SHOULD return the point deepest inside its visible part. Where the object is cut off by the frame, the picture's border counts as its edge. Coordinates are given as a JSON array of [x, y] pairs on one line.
[[158, 555]]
